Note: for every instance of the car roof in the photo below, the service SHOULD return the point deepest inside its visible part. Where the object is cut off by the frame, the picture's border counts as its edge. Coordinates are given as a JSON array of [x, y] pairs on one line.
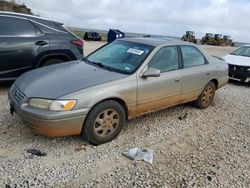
[[32, 17], [156, 41]]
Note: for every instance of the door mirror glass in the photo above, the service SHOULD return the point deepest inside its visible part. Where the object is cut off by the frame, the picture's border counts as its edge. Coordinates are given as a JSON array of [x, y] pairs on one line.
[[151, 72]]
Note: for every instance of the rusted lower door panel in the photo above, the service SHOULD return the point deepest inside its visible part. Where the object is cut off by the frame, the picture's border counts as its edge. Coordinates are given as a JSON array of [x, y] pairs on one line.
[[159, 92]]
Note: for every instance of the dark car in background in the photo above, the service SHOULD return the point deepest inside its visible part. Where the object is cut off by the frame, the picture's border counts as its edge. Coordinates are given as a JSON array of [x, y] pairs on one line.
[[92, 36], [28, 42], [114, 34]]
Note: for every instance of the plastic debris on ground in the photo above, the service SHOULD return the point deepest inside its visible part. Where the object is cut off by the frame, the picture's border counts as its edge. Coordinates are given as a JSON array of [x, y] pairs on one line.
[[137, 154], [36, 152], [80, 148], [183, 116]]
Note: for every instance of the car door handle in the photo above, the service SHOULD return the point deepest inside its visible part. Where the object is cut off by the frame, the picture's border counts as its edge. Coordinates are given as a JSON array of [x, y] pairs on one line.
[[177, 80], [208, 73], [41, 43]]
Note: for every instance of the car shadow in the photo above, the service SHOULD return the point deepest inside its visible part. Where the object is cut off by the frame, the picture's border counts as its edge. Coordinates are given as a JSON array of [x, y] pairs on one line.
[[5, 84], [239, 83], [4, 87]]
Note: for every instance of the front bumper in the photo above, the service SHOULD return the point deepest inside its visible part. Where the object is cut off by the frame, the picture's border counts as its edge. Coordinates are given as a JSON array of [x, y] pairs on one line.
[[49, 123], [239, 73]]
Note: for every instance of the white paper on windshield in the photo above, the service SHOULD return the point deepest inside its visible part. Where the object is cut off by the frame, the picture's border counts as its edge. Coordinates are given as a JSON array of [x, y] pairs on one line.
[[135, 51]]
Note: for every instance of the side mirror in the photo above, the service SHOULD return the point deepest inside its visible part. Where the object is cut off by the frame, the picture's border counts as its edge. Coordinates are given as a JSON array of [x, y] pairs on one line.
[[151, 72]]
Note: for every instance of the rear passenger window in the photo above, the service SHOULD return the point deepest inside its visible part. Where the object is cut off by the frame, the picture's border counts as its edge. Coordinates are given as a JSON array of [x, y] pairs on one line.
[[16, 27], [192, 56], [50, 27], [166, 59]]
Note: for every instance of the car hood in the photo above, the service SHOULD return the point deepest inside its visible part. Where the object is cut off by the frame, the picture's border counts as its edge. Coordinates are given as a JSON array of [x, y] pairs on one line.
[[58, 80], [237, 60]]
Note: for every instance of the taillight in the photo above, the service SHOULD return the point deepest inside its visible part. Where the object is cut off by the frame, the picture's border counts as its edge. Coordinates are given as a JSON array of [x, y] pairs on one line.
[[78, 42]]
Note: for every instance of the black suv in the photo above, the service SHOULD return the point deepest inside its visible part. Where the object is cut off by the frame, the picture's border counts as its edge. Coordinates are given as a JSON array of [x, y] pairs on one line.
[[28, 42], [92, 36]]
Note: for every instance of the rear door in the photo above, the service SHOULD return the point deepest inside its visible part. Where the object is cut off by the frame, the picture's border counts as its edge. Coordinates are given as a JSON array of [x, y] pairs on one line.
[[159, 92], [20, 42], [196, 73]]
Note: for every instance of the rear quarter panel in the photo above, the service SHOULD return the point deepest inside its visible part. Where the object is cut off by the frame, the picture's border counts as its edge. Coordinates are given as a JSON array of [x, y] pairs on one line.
[[63, 42], [220, 69]]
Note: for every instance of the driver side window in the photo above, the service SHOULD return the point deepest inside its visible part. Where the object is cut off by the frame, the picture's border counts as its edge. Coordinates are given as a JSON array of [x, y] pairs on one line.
[[166, 59]]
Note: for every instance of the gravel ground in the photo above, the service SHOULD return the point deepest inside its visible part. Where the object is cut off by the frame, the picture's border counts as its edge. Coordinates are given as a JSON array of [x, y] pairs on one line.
[[209, 148]]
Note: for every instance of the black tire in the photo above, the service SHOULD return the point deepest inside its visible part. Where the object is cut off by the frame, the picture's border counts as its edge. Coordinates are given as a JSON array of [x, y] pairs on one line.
[[206, 97], [99, 130], [52, 62], [243, 79]]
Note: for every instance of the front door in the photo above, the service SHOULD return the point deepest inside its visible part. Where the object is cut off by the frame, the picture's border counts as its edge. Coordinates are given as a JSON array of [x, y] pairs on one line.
[[155, 93]]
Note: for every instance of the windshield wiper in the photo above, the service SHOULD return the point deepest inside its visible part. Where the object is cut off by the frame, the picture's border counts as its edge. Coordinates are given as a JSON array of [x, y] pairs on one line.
[[245, 55], [240, 55], [86, 60], [97, 63], [93, 63]]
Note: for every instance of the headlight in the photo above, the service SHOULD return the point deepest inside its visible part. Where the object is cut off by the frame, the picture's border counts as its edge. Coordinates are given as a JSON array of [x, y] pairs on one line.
[[248, 69], [62, 105], [54, 105]]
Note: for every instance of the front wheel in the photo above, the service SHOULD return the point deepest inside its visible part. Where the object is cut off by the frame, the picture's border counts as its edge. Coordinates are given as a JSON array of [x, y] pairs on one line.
[[104, 122], [206, 97]]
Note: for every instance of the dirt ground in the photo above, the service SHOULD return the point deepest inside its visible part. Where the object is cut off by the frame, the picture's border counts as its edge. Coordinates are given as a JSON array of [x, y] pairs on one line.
[[207, 148]]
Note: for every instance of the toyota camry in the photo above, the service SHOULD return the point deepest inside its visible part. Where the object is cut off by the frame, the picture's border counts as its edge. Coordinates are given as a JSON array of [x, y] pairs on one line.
[[124, 79]]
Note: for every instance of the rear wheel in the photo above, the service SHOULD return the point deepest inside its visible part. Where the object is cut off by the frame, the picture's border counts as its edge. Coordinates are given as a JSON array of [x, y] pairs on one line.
[[104, 122], [206, 97], [52, 62]]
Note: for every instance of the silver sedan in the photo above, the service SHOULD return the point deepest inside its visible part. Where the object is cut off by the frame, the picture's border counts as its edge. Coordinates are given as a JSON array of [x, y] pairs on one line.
[[122, 80]]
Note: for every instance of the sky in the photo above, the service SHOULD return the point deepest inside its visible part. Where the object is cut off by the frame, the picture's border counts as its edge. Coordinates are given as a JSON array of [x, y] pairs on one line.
[[162, 17]]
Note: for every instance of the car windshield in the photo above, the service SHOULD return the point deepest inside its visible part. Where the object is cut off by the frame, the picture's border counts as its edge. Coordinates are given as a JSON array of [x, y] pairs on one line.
[[120, 56], [242, 51]]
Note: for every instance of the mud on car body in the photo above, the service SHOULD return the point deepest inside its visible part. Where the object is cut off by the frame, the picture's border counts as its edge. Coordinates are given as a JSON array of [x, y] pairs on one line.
[[122, 80]]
